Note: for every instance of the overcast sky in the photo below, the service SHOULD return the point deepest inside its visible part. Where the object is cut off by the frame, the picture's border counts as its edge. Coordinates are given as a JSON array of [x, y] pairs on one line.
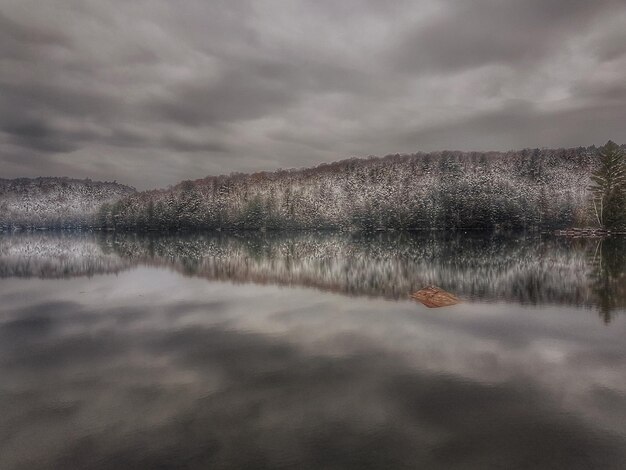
[[149, 92]]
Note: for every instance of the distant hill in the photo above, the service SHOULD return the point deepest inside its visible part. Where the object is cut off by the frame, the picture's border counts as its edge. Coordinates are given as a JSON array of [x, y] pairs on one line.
[[532, 188], [30, 203]]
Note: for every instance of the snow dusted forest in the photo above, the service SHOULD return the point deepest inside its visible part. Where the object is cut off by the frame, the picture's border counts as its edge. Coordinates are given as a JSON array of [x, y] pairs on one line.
[[528, 189], [54, 202], [515, 190]]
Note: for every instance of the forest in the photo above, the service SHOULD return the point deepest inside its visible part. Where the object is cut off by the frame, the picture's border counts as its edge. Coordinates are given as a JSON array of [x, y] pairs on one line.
[[528, 189], [532, 189], [54, 203]]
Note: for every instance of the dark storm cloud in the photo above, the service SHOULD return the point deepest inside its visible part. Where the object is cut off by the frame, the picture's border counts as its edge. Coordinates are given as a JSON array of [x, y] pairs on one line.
[[36, 135], [150, 92], [243, 93], [21, 42]]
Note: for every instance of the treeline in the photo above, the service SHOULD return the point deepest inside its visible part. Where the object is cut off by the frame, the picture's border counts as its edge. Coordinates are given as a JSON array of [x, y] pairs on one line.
[[57, 203], [533, 188]]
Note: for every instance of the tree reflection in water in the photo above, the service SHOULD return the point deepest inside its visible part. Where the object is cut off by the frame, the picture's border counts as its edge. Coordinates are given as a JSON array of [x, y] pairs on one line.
[[475, 266], [608, 276]]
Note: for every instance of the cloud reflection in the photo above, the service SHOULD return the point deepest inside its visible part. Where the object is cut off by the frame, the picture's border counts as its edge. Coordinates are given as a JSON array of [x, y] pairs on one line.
[[149, 369]]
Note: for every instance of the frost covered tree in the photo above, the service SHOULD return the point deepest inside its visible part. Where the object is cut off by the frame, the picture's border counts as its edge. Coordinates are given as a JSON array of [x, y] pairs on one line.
[[609, 187]]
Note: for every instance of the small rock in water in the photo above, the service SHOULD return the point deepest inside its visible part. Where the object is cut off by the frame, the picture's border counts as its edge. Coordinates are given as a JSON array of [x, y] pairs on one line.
[[433, 297]]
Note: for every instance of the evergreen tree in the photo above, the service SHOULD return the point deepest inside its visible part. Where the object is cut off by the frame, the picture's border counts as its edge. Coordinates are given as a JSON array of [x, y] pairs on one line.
[[609, 187], [608, 277]]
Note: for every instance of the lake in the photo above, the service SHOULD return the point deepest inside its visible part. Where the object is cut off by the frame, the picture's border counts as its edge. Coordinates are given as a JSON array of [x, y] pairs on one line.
[[263, 350]]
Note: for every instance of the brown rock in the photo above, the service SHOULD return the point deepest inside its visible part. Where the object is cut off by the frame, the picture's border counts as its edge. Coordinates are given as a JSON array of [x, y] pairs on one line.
[[433, 297]]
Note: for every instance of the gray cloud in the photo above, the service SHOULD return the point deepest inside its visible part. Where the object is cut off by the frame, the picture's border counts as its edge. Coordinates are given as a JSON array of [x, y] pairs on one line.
[[149, 93], [18, 41], [517, 123], [478, 32]]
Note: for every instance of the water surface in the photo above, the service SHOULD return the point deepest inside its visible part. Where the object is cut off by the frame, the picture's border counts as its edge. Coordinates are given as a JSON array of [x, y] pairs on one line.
[[304, 351]]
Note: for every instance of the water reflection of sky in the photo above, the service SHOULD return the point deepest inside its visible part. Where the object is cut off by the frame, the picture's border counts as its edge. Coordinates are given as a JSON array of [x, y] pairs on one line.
[[147, 368]]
